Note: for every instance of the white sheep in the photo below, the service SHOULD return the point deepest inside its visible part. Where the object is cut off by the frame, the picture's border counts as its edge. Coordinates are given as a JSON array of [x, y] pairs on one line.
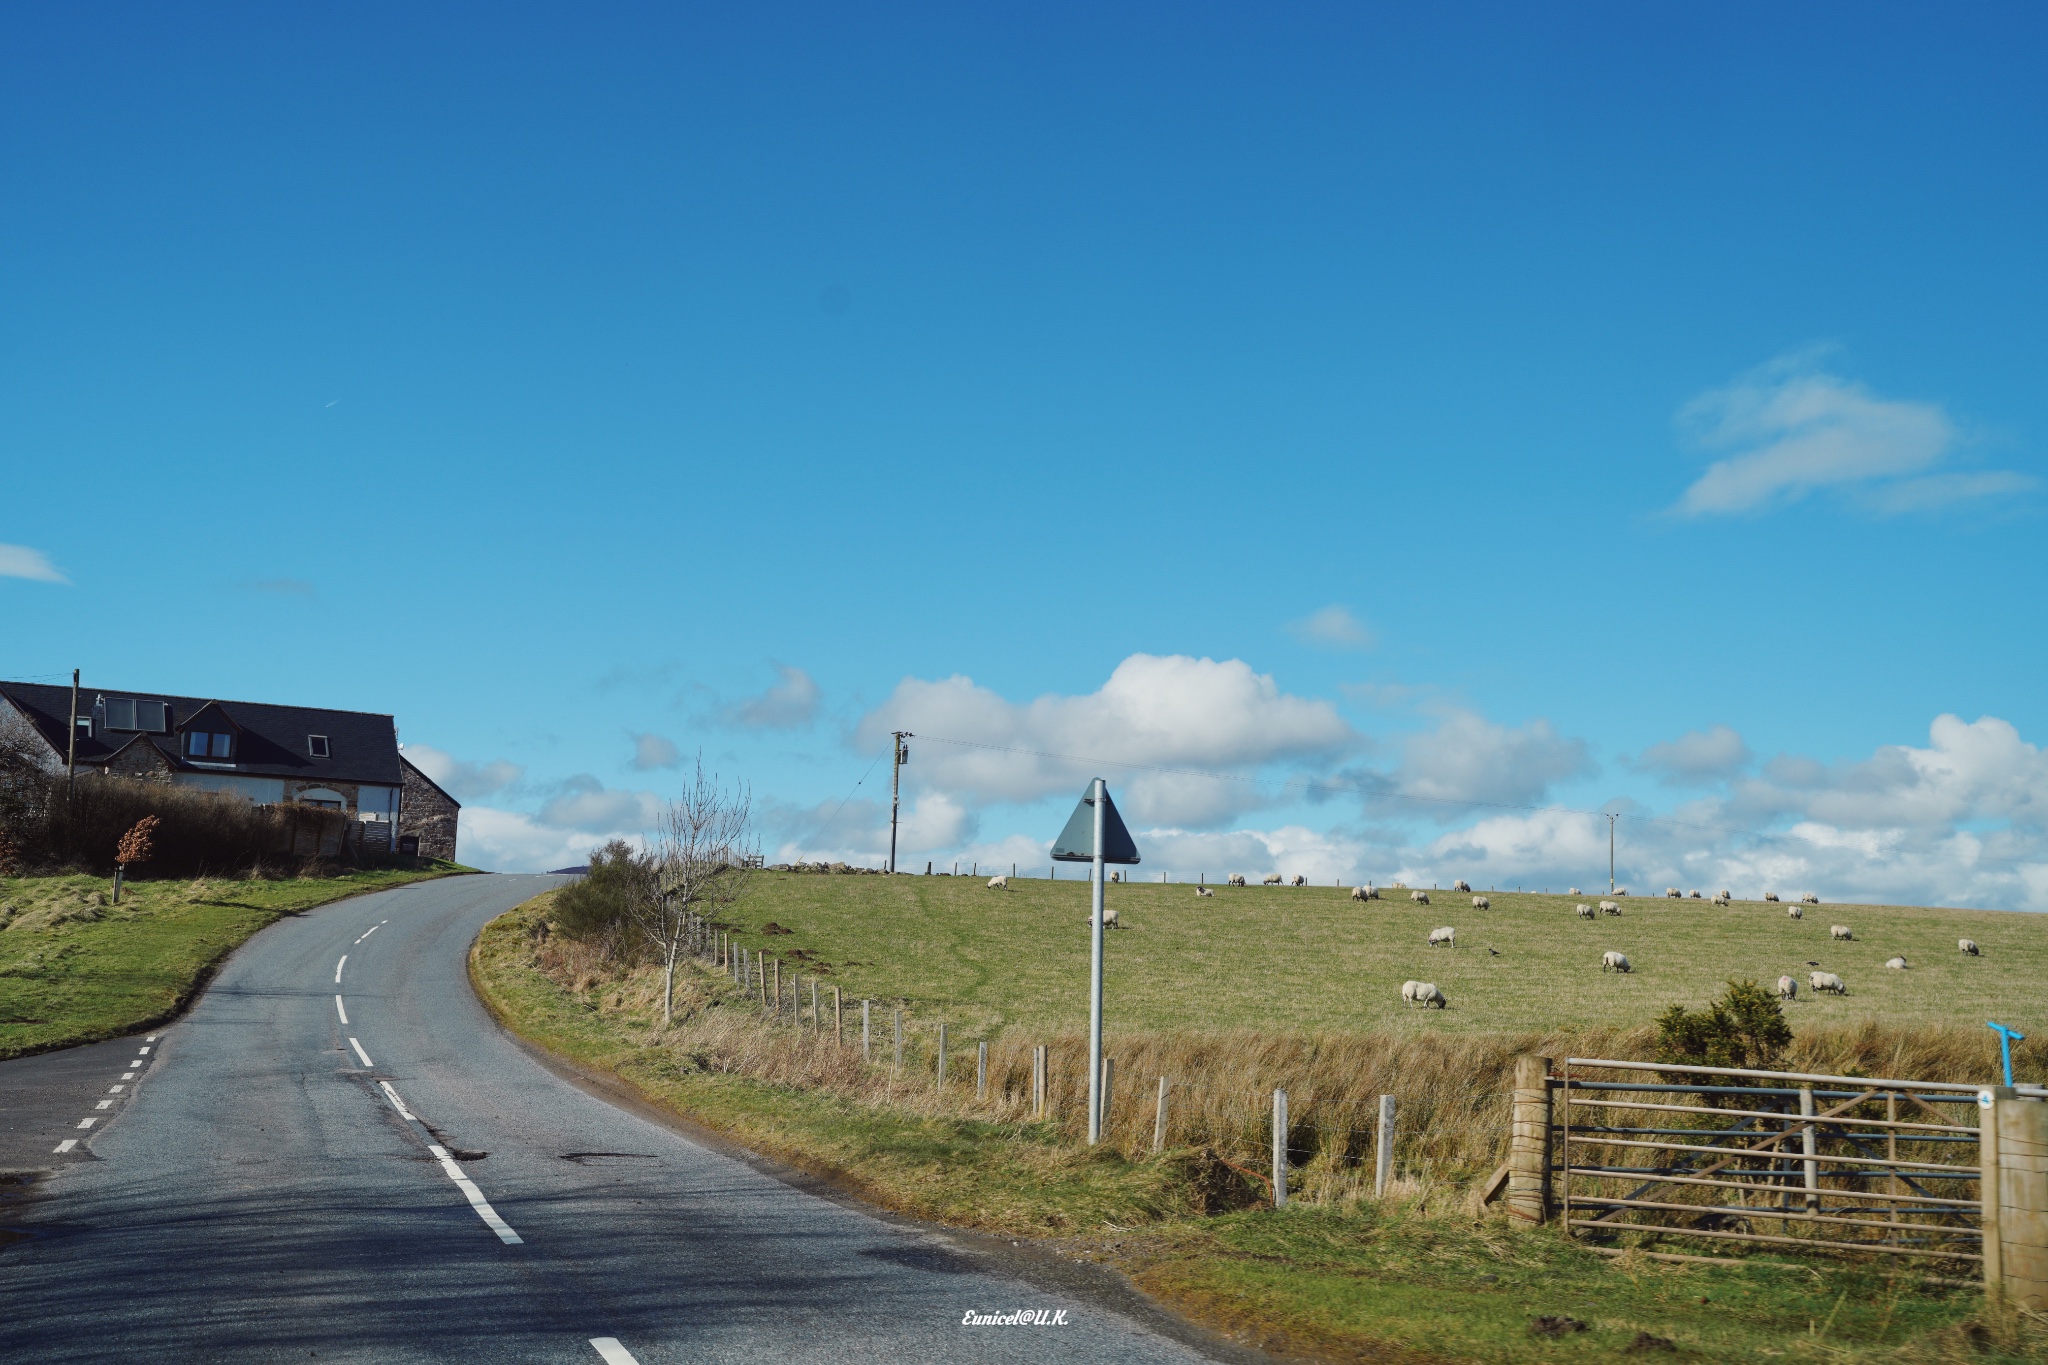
[[1203, 891], [1840, 933], [1693, 894], [1810, 899], [1967, 945], [1237, 879], [1299, 880], [1826, 981], [1610, 908], [1614, 962], [1788, 988], [1273, 879], [1481, 903], [1419, 897], [1721, 899], [1574, 891], [1423, 993], [1770, 895], [1001, 883], [1446, 936], [1621, 891], [1726, 895], [1671, 893], [1109, 918], [1794, 912], [1461, 885], [1361, 893], [1584, 911], [1897, 964]]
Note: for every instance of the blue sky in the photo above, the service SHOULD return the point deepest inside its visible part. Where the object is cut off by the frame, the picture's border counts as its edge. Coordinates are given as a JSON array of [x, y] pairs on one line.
[[1579, 408]]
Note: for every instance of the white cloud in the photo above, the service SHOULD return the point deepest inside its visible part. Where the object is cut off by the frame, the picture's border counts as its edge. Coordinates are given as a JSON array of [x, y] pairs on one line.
[[1793, 430], [1170, 711], [1699, 755], [788, 705], [463, 780], [19, 561], [584, 803], [509, 841], [651, 752], [1333, 627], [1469, 758]]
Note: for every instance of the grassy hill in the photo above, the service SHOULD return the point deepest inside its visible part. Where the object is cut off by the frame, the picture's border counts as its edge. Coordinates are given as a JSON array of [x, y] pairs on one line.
[[1310, 958]]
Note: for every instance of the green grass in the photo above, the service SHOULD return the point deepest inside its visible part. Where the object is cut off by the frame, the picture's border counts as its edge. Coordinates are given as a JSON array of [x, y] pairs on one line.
[[75, 968], [1396, 1281], [1309, 958]]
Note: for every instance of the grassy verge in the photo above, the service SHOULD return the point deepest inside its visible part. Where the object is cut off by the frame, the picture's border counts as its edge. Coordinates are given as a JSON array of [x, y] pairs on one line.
[[75, 968], [1413, 1278]]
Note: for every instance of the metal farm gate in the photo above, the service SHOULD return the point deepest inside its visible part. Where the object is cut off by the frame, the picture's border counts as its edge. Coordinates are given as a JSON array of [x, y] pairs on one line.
[[1803, 1161]]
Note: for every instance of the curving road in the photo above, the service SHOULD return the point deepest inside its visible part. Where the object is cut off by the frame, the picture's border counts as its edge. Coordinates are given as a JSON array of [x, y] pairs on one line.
[[305, 1168]]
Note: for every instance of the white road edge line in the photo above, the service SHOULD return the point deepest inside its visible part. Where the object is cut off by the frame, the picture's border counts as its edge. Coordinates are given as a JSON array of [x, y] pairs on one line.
[[475, 1197], [339, 1010], [612, 1352], [337, 968], [143, 1052], [87, 1123], [398, 1103], [115, 1089], [66, 1145], [360, 1053], [104, 1104]]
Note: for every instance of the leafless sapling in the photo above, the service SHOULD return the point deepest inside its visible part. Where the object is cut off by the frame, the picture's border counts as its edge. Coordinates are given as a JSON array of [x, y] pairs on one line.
[[702, 859]]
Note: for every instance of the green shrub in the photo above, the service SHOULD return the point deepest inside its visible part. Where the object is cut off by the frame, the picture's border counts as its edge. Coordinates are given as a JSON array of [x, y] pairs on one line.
[[1745, 1028], [596, 909]]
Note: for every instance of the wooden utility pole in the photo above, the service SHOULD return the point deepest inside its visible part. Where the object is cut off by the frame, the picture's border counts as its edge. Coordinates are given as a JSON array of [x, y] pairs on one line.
[[898, 756], [71, 752], [1610, 851]]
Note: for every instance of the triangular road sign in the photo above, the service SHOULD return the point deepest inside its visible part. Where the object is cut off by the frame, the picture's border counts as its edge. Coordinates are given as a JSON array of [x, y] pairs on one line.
[[1076, 843]]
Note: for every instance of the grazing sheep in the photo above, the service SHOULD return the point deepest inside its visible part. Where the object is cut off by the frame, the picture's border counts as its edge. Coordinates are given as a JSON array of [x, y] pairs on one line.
[[1109, 918], [1770, 895], [1584, 911], [1001, 883], [1967, 945], [1810, 899], [1621, 891], [1237, 879], [1721, 899], [1363, 893], [1840, 932], [1897, 964], [1481, 903], [1299, 880], [1788, 988], [1671, 893], [1419, 897], [1614, 962], [1272, 879], [1574, 891], [1203, 891], [1693, 894], [1116, 876], [1446, 936], [1423, 993], [1794, 912], [1461, 885], [1826, 981], [1725, 895], [1610, 908]]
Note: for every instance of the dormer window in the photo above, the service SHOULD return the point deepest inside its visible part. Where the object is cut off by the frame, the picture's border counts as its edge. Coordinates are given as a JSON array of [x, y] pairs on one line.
[[316, 745], [208, 744], [129, 713]]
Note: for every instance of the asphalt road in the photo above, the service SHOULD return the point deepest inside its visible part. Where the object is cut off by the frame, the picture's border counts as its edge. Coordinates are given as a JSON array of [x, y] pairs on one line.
[[408, 1184]]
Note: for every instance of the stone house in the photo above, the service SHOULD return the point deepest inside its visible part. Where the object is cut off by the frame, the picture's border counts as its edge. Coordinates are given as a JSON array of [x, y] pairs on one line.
[[347, 761]]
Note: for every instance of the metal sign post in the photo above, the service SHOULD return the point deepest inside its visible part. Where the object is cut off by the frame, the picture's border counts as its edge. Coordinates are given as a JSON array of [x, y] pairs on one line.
[[2006, 1038], [1095, 834]]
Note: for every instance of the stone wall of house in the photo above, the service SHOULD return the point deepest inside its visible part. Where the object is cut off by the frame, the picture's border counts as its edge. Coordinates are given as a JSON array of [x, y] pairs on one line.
[[144, 761], [427, 814]]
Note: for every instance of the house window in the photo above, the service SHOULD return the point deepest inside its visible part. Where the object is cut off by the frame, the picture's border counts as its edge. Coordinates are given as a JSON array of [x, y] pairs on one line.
[[85, 727], [120, 713], [202, 744], [316, 745], [128, 713]]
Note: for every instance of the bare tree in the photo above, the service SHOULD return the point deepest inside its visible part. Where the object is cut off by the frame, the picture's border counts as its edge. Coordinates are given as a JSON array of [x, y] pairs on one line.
[[703, 855]]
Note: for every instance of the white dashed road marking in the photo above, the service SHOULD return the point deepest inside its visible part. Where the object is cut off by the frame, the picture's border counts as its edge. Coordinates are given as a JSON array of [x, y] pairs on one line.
[[360, 1053], [127, 1075], [475, 1197], [612, 1352], [104, 1104], [115, 1089], [339, 1010], [144, 1052], [337, 974], [398, 1103], [66, 1145], [373, 929], [87, 1123]]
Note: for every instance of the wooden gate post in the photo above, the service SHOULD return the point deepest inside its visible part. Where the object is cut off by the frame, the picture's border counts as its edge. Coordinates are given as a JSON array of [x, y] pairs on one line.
[[2020, 1190], [1529, 1140]]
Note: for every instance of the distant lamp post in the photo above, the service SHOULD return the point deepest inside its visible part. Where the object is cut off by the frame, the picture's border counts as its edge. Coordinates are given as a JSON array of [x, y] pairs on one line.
[[1095, 834]]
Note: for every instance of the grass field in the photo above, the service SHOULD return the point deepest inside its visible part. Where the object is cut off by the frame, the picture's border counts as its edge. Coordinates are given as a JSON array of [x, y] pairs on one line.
[[1311, 959], [75, 968]]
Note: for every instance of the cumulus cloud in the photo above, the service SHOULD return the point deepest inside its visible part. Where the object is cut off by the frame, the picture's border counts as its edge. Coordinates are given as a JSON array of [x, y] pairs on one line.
[[652, 752], [1469, 758], [1333, 627], [584, 803], [1791, 429], [19, 561], [789, 705], [1164, 711], [509, 841], [463, 780], [1699, 755]]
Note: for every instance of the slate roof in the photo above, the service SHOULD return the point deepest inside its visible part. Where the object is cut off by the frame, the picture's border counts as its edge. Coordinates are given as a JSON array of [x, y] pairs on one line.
[[363, 745]]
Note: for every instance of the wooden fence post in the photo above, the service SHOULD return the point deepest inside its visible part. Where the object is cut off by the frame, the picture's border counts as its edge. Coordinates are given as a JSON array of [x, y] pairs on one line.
[[838, 1029], [899, 1037], [817, 1019], [1159, 1118], [1279, 1149], [942, 1056], [1807, 1148], [1038, 1081], [867, 1053], [1383, 1150], [778, 988], [1529, 1140], [981, 1072], [2022, 1197], [1989, 1100]]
